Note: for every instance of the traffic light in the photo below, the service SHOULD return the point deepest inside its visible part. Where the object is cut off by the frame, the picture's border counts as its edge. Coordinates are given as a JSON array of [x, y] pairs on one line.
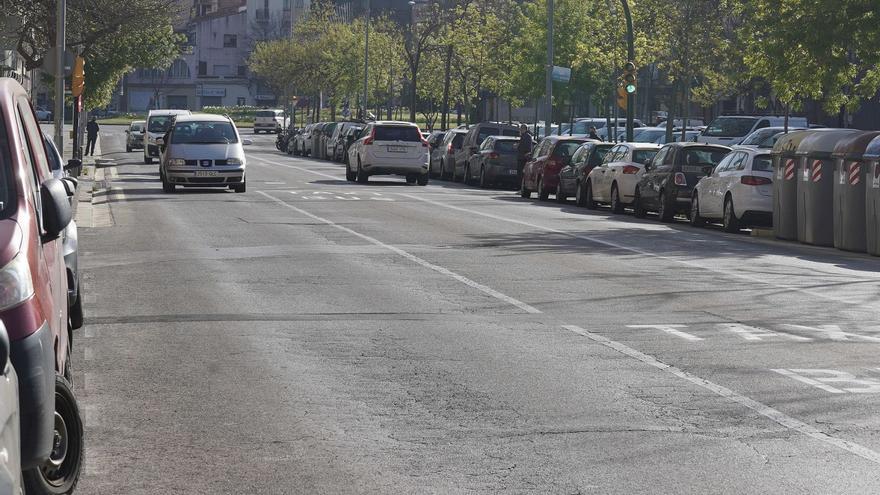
[[622, 98], [630, 78], [78, 78]]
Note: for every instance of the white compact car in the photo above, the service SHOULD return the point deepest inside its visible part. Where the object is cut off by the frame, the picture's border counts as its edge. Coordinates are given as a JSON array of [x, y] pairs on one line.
[[158, 122], [739, 191], [614, 182], [203, 151], [389, 148]]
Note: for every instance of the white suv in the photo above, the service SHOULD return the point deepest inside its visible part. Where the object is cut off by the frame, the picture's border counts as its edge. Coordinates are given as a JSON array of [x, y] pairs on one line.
[[389, 148], [158, 122], [203, 151], [269, 121]]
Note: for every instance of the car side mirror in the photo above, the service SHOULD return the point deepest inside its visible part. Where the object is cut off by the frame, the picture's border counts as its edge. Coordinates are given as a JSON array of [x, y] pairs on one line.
[[4, 349], [127, 131], [56, 208], [246, 142]]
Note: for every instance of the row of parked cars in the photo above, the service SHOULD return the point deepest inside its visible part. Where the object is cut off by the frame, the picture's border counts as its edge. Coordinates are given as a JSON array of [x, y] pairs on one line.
[[41, 431]]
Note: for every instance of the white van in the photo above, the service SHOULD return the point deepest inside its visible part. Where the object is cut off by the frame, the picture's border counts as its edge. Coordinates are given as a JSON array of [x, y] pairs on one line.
[[158, 123], [269, 121], [730, 130]]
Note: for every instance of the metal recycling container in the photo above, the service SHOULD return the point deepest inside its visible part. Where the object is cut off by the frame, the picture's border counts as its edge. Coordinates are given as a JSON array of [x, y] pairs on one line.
[[872, 197], [815, 186], [850, 177], [785, 184]]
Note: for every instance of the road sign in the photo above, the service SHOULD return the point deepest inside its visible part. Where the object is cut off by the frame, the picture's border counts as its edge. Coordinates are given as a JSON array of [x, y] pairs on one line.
[[561, 74]]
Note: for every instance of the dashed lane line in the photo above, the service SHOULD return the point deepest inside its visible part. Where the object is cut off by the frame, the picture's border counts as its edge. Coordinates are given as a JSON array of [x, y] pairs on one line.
[[415, 259]]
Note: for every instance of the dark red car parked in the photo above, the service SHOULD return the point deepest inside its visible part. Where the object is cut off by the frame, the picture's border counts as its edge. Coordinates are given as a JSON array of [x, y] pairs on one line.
[[541, 172], [34, 210]]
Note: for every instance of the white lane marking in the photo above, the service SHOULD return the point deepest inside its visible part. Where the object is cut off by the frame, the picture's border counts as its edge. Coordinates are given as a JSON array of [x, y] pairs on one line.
[[821, 378], [751, 333], [832, 332], [301, 169], [762, 409], [671, 330], [415, 259], [641, 252], [274, 183]]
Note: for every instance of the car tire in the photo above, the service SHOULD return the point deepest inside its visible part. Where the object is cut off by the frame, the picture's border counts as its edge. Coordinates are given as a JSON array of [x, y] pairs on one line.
[[75, 313], [666, 212], [616, 205], [484, 184], [639, 208], [240, 188], [411, 179], [61, 472], [361, 176], [580, 198], [127, 148], [148, 160], [168, 187], [455, 173], [423, 180], [560, 198], [695, 218], [349, 175], [543, 195], [730, 222], [523, 190], [467, 175], [588, 200]]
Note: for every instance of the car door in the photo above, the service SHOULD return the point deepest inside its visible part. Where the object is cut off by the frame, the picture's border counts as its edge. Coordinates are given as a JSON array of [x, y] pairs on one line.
[[602, 174], [649, 186], [709, 188], [730, 177], [476, 160], [567, 174]]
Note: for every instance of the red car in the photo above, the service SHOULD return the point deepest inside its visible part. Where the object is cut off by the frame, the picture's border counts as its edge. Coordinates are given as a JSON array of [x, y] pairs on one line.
[[541, 172], [34, 211]]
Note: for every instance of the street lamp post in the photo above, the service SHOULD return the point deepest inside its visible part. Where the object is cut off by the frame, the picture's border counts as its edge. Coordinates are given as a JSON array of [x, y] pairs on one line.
[[549, 115], [61, 20], [366, 57], [631, 53]]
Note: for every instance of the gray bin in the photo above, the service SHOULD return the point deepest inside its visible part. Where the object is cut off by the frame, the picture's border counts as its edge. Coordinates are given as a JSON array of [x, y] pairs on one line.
[[785, 184], [872, 198], [850, 176], [815, 186]]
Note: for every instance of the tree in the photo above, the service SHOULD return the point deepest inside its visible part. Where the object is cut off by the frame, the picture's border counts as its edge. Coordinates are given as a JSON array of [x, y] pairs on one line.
[[114, 37], [420, 37]]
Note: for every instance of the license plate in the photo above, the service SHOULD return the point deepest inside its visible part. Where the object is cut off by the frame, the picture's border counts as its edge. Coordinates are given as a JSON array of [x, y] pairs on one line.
[[397, 149], [512, 172], [206, 173]]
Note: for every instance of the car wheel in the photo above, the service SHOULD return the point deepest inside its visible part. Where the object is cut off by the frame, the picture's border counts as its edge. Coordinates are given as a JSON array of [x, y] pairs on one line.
[[75, 313], [411, 179], [361, 177], [455, 172], [588, 201], [483, 183], [349, 175], [560, 198], [694, 217], [731, 223], [580, 198], [523, 190], [240, 188], [666, 212], [616, 205], [60, 474], [467, 175], [423, 180], [127, 148], [543, 194], [167, 186], [148, 160], [638, 207]]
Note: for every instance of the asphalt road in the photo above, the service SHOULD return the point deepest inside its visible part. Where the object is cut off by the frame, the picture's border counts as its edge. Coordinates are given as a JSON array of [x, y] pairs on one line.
[[319, 336]]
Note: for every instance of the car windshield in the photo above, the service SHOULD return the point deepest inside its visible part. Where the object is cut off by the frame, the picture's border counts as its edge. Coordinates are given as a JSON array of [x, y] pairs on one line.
[[159, 124], [203, 133], [397, 133], [759, 136], [137, 127], [703, 156], [457, 140], [762, 163], [730, 127], [506, 146], [267, 113], [566, 149], [770, 141], [649, 135], [643, 156]]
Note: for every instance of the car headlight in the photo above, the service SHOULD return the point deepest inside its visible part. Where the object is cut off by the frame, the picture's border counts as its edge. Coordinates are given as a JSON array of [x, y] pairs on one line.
[[234, 161], [177, 162], [16, 284]]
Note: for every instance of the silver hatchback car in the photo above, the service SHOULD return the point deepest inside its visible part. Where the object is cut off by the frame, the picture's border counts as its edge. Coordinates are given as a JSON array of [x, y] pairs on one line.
[[203, 150]]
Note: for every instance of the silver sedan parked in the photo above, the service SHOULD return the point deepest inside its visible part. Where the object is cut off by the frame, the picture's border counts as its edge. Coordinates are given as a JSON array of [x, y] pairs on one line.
[[203, 151]]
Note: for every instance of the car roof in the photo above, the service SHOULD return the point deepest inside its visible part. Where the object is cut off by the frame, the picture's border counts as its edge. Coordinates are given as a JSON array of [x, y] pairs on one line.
[[138, 122], [643, 146], [691, 144], [505, 138], [168, 111], [394, 123], [203, 117]]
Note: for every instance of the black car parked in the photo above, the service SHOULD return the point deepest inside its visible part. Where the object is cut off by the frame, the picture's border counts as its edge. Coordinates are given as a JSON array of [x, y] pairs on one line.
[[668, 182], [572, 176], [495, 163], [474, 139]]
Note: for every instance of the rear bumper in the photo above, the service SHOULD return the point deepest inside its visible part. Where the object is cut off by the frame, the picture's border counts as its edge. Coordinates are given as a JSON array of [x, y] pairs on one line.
[[34, 360], [501, 173]]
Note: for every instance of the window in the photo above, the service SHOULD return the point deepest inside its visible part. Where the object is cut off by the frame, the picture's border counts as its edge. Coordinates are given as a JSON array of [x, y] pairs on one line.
[[178, 70], [203, 68], [730, 127], [203, 133], [723, 165], [221, 70], [659, 158], [230, 41], [242, 70], [241, 101], [612, 155], [762, 163], [7, 184], [487, 144], [398, 133], [565, 150], [457, 139], [506, 146], [643, 156], [739, 162], [599, 154], [159, 124]]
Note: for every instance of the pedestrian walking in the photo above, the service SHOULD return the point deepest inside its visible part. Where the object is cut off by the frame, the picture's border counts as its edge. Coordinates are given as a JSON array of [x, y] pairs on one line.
[[594, 135], [524, 148], [92, 135]]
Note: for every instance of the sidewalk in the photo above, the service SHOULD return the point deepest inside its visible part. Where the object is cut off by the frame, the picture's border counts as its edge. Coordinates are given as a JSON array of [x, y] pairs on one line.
[[92, 205]]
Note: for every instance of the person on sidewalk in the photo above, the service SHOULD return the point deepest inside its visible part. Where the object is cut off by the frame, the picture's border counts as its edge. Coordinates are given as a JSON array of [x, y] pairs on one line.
[[594, 134], [92, 135], [524, 147]]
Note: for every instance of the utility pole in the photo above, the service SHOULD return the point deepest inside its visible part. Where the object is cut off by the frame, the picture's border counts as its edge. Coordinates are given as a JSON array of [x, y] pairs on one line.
[[366, 59], [445, 121], [631, 53], [549, 103], [60, 22]]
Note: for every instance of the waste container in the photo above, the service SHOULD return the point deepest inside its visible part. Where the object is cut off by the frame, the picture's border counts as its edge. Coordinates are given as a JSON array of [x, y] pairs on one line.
[[850, 177], [815, 186], [785, 184], [872, 197]]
